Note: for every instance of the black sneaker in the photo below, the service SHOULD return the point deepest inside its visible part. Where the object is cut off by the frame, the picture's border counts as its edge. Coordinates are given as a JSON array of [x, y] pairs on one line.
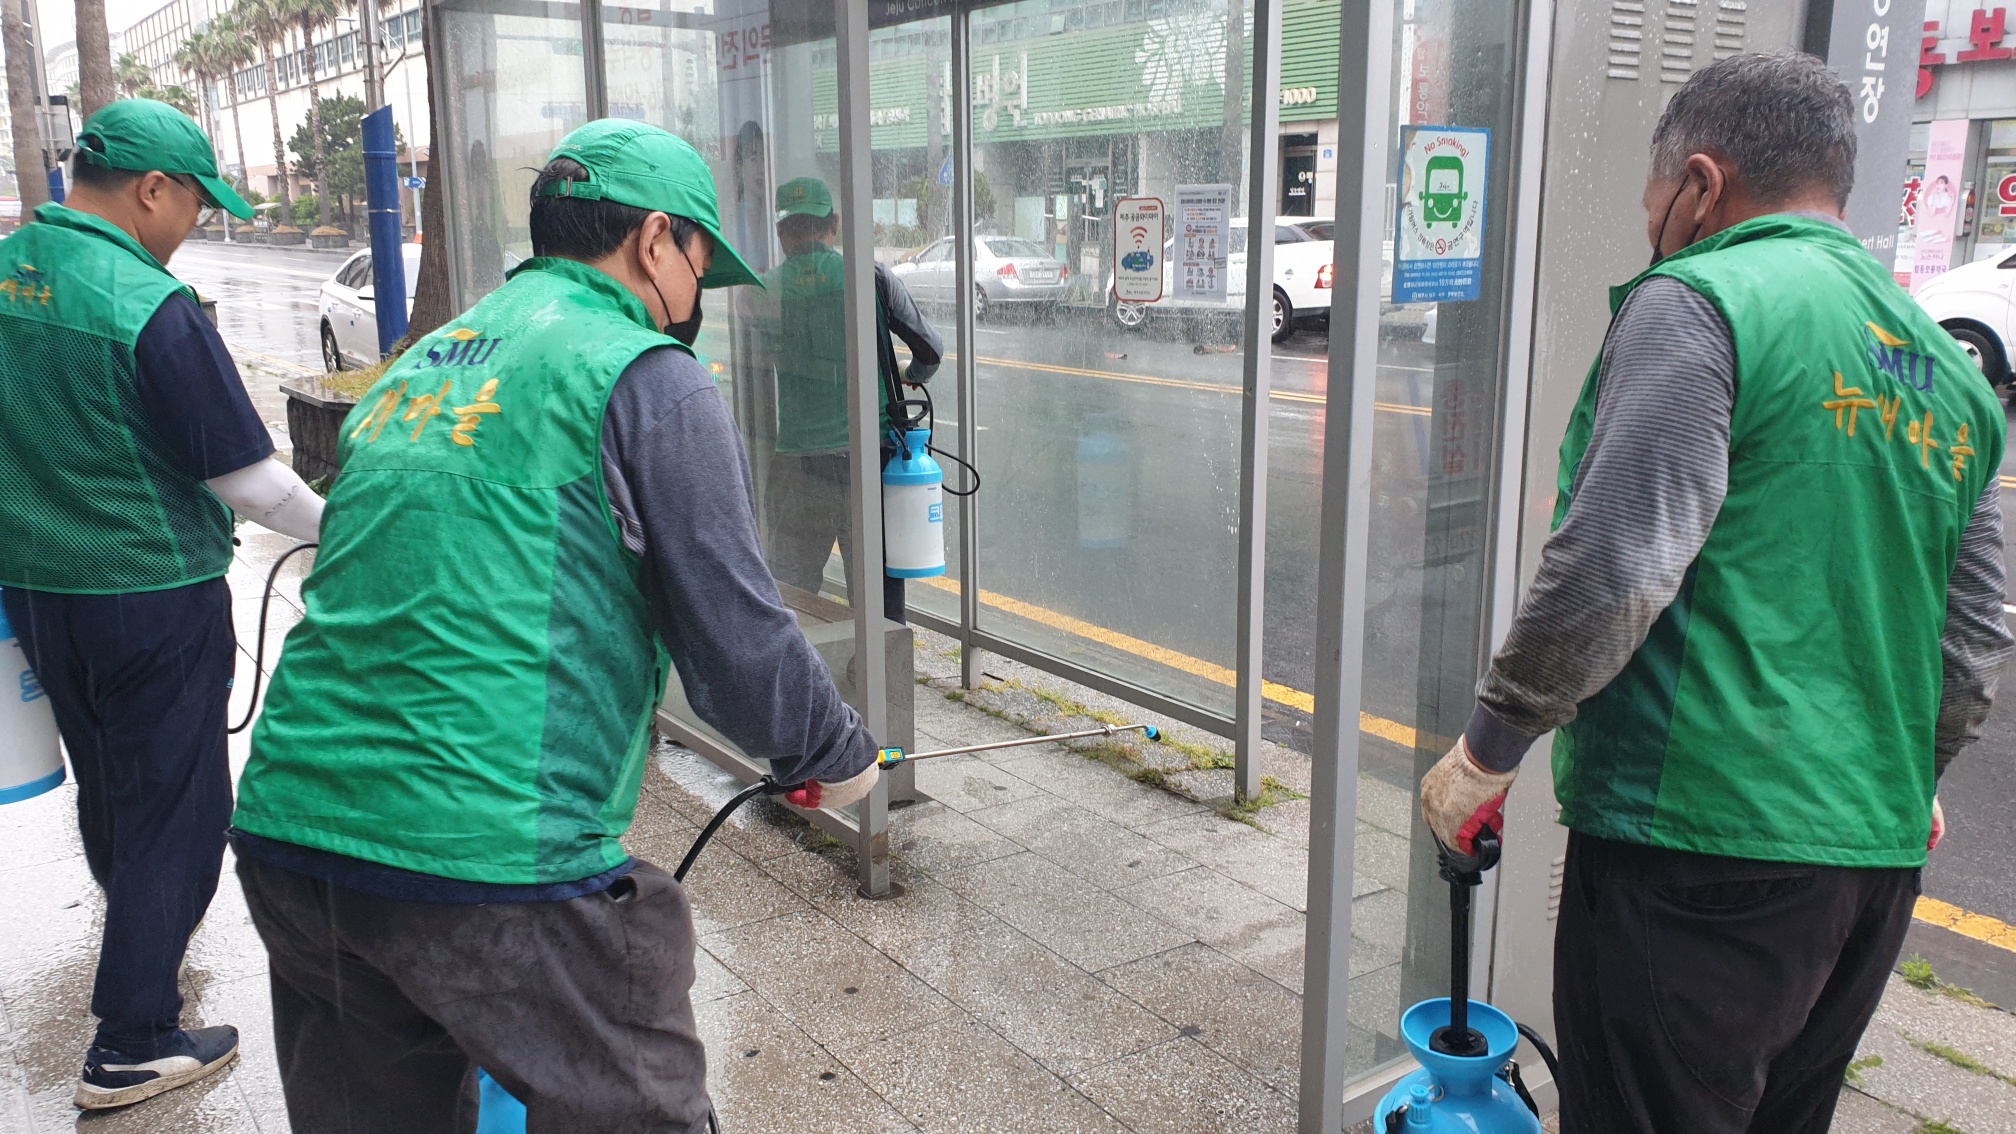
[[114, 1078]]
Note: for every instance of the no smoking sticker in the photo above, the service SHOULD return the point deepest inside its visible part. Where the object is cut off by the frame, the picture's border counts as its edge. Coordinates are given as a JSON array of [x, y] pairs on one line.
[[1439, 248]]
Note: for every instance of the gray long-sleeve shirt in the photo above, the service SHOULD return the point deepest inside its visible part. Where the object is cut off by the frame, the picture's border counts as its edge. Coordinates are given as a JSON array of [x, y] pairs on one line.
[[678, 481], [1647, 492]]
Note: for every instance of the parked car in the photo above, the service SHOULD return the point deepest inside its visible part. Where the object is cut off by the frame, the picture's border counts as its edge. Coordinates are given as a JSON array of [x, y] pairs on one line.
[[1302, 274], [1008, 271], [350, 310], [1976, 303]]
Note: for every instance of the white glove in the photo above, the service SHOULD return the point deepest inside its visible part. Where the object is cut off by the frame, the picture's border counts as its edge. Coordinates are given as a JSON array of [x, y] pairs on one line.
[[1459, 798], [853, 789]]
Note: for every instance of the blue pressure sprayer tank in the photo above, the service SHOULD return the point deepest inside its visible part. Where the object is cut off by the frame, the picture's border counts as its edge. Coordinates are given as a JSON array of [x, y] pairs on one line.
[[31, 761], [1467, 1083], [913, 508]]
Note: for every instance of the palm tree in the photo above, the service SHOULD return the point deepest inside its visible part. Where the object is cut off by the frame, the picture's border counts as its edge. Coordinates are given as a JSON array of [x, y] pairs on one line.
[[229, 52], [311, 16], [94, 59], [267, 23], [130, 75], [193, 57]]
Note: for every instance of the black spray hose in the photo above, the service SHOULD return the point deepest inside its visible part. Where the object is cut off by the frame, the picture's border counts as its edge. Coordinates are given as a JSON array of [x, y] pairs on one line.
[[1546, 1053], [764, 786], [259, 651]]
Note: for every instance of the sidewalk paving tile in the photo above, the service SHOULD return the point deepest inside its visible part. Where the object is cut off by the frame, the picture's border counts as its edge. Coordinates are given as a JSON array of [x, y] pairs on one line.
[[768, 1077], [1098, 789], [932, 837], [1056, 1013], [830, 984], [1242, 923], [1182, 1087], [957, 1076], [927, 910], [1236, 1012], [966, 783], [727, 890], [1094, 848], [1064, 913]]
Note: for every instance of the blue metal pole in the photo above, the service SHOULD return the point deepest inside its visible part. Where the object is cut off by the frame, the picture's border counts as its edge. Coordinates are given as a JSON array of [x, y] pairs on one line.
[[381, 203], [56, 184]]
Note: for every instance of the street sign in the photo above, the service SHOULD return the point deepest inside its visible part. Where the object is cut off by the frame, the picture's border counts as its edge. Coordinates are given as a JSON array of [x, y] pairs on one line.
[[945, 171], [1139, 230], [414, 182], [1203, 241], [1439, 250]]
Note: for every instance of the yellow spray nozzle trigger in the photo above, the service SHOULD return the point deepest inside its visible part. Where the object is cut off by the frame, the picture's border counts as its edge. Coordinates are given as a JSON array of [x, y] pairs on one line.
[[887, 756]]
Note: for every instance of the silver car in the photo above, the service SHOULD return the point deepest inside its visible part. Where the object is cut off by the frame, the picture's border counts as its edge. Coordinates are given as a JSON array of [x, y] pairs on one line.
[[1008, 271]]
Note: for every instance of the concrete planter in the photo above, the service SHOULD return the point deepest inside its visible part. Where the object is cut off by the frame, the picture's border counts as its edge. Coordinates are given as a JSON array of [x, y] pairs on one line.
[[315, 416], [210, 233], [333, 242], [292, 239]]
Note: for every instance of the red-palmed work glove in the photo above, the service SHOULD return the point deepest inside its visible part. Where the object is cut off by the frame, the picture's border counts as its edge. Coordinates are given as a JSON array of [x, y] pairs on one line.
[[853, 789], [1459, 798]]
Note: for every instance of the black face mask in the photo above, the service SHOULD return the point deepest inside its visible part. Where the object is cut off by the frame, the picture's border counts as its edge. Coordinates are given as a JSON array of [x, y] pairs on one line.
[[685, 330], [1668, 219]]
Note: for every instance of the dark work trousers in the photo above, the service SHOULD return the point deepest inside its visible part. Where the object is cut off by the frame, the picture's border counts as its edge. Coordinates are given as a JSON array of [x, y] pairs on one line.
[[1702, 995], [809, 499], [140, 684], [383, 1009]]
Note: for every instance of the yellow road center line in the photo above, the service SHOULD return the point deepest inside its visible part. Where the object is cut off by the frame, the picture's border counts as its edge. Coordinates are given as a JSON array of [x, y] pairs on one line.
[[2009, 482], [1403, 735], [1184, 384], [1980, 927]]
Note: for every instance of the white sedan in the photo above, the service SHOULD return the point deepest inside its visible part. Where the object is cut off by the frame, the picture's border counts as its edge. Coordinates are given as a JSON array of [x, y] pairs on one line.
[[350, 310], [1302, 271], [1976, 303]]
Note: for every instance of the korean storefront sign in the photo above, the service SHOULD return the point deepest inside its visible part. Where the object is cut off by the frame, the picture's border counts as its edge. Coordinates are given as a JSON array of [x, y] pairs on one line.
[[1869, 44], [1203, 241], [1938, 211], [1438, 254]]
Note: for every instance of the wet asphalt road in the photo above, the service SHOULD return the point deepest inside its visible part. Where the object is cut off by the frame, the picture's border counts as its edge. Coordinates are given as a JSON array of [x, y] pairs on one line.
[[1152, 561]]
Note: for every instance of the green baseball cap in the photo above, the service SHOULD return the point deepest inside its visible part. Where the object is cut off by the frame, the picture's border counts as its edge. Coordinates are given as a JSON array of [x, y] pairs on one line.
[[804, 197], [636, 164], [142, 135]]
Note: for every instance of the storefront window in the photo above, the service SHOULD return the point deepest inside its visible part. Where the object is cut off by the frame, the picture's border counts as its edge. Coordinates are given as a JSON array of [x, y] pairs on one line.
[[1995, 231]]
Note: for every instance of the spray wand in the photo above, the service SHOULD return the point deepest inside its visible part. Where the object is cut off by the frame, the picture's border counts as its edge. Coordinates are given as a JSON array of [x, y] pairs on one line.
[[807, 795]]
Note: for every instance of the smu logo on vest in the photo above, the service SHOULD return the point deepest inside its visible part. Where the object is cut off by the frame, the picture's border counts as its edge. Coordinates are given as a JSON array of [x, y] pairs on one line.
[[26, 283], [1887, 352], [462, 347]]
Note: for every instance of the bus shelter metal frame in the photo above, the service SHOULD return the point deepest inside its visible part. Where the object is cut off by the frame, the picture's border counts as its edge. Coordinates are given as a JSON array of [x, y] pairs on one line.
[[1330, 1099]]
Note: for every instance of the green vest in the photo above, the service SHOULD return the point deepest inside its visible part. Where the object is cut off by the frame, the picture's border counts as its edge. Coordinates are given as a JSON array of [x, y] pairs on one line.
[[811, 351], [1782, 708], [91, 501], [470, 692]]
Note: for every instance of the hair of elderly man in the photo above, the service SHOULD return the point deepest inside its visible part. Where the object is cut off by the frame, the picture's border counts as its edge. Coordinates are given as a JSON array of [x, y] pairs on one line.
[[1782, 119]]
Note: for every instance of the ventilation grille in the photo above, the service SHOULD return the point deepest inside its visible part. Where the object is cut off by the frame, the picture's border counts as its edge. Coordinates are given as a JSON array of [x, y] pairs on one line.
[[1627, 38]]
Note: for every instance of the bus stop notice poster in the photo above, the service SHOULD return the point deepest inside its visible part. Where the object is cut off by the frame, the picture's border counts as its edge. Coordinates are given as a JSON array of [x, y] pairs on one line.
[[1203, 241], [1138, 238], [1438, 253]]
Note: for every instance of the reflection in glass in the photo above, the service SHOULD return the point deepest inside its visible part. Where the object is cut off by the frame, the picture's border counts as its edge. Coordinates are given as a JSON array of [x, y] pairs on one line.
[[521, 89]]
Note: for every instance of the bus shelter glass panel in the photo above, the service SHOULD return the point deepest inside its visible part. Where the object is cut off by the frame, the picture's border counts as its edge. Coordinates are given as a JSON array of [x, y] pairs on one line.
[[1110, 446], [1437, 428], [518, 87], [753, 86], [910, 95]]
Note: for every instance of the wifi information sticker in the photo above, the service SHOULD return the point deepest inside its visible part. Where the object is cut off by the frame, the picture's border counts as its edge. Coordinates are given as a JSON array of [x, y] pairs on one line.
[[1139, 235]]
